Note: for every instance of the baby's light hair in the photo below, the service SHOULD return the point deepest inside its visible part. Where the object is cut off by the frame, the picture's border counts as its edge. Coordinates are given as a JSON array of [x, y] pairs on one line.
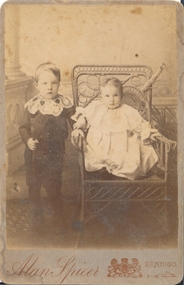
[[112, 81], [48, 66]]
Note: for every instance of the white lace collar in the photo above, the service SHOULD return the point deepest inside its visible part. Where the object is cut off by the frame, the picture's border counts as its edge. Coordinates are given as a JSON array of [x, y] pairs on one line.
[[48, 106]]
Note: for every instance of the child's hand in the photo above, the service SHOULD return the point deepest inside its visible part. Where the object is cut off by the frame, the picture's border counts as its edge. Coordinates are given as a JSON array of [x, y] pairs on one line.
[[31, 143], [76, 138], [76, 133]]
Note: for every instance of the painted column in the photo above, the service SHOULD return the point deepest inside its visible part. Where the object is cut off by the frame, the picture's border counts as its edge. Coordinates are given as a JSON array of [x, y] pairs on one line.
[[15, 87], [12, 39]]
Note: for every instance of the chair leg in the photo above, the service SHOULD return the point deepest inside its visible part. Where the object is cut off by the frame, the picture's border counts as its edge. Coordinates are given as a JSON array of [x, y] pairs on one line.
[[78, 225], [158, 210]]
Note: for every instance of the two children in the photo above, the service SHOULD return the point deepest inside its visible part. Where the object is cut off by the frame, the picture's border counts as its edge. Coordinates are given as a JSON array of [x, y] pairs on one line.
[[115, 135], [44, 131]]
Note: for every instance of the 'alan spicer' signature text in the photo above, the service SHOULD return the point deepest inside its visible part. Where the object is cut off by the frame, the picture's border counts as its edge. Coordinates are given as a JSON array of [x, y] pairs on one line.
[[66, 267]]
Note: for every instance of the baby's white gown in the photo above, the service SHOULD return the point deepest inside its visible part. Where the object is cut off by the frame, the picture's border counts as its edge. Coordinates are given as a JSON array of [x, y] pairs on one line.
[[115, 140]]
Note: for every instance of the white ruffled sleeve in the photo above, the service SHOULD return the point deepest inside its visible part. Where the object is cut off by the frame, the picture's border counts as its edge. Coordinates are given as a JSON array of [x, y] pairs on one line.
[[138, 125], [88, 112]]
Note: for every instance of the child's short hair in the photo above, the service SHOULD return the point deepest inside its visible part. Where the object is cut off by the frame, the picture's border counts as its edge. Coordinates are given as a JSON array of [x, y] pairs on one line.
[[113, 81], [48, 66]]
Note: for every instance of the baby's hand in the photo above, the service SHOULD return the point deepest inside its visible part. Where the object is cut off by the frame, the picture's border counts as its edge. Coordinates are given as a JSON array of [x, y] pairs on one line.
[[31, 143], [154, 134], [80, 124], [77, 125]]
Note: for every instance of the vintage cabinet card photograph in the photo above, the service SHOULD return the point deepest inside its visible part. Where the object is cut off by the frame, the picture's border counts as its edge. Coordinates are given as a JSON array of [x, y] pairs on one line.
[[92, 140]]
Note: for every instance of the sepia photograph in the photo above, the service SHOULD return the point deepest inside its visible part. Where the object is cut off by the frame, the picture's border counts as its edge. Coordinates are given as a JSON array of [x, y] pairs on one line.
[[93, 105]]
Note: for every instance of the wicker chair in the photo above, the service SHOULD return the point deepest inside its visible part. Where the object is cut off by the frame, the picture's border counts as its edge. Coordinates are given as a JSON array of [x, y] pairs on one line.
[[99, 192]]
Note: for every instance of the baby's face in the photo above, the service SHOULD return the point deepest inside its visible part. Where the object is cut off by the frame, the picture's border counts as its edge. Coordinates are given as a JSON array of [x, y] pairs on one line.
[[48, 84], [111, 96]]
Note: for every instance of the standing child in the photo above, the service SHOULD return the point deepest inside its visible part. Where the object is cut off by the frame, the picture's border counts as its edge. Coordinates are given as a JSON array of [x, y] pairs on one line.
[[117, 137], [44, 131]]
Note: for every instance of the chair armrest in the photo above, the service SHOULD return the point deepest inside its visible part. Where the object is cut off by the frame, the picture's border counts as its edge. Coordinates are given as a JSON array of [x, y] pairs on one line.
[[163, 146], [170, 144]]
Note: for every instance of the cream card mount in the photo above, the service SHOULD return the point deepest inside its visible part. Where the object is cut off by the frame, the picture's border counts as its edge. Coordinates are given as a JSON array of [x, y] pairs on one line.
[[111, 227]]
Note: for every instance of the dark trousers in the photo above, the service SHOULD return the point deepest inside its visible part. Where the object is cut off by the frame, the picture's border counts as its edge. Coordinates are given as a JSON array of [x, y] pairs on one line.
[[44, 169]]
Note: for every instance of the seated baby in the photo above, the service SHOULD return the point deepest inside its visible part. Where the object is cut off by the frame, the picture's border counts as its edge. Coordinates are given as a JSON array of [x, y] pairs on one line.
[[116, 135]]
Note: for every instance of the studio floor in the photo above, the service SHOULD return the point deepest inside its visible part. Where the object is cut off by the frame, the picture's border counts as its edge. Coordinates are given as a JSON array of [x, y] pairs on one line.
[[135, 225]]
